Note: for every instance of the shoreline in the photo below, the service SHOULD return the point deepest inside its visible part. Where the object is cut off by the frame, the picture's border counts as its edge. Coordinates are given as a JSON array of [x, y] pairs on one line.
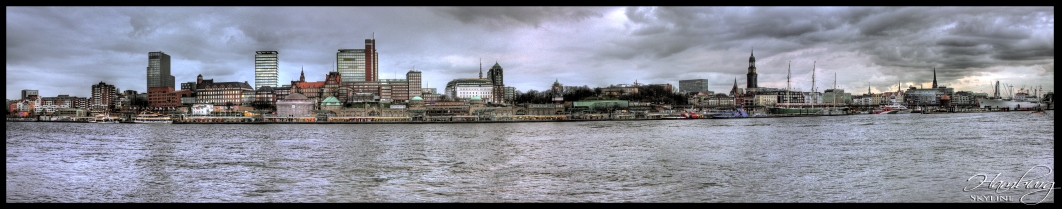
[[484, 121]]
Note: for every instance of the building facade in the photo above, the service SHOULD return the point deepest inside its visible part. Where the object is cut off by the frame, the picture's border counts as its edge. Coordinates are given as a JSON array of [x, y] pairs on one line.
[[836, 96], [27, 93], [413, 78], [495, 75], [695, 85], [188, 86], [221, 93], [266, 69], [48, 105], [162, 96], [466, 88], [158, 70], [295, 105], [103, 95], [359, 65]]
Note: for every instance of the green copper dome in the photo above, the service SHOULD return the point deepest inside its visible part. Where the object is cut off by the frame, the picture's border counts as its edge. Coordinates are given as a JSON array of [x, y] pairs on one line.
[[476, 98], [417, 98]]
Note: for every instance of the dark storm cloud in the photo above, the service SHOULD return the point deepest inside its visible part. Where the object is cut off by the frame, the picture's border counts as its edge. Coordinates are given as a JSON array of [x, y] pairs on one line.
[[516, 16], [961, 41], [592, 46]]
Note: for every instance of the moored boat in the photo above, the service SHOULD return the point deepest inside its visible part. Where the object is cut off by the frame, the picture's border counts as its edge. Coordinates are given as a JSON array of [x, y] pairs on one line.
[[892, 109], [150, 117]]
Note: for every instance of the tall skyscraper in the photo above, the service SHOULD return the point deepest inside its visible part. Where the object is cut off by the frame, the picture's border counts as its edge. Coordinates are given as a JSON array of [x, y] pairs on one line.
[[158, 70], [359, 65], [265, 69], [751, 76], [372, 69]]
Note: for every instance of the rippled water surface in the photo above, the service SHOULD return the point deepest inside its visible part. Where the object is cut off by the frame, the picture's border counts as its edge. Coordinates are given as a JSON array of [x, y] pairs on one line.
[[860, 158]]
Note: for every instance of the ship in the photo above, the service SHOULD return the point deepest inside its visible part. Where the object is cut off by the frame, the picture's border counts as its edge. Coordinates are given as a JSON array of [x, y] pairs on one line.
[[1020, 101], [737, 113], [150, 117], [894, 108]]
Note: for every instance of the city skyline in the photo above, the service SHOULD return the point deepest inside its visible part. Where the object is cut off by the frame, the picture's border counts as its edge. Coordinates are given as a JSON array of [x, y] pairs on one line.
[[876, 47]]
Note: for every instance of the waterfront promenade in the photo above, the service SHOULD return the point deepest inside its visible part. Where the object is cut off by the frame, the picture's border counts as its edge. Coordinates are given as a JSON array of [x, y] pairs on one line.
[[459, 119]]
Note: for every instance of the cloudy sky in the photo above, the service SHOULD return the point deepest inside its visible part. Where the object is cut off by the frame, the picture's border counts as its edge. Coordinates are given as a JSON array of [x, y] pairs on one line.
[[65, 50]]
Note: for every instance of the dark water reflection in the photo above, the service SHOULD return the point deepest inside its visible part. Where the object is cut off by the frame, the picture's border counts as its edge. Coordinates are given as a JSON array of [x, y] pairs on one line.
[[862, 158]]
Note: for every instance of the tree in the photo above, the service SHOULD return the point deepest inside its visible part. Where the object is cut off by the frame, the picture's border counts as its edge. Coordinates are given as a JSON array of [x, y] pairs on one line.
[[228, 106]]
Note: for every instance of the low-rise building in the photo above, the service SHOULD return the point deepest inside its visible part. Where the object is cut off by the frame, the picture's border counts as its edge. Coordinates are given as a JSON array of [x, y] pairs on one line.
[[295, 105], [765, 100], [221, 93]]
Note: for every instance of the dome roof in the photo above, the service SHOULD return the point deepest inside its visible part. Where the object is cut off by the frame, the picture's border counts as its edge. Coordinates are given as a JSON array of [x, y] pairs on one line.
[[476, 98], [417, 98], [295, 96], [330, 99], [945, 97]]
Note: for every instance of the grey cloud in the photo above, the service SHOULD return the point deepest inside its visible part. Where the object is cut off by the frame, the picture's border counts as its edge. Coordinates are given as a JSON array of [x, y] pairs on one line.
[[516, 16], [578, 45]]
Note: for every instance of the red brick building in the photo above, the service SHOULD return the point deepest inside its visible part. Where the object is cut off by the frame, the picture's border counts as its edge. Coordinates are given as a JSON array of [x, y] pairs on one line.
[[165, 96]]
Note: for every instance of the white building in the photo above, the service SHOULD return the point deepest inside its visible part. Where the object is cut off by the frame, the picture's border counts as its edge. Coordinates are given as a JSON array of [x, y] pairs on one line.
[[765, 99], [470, 87]]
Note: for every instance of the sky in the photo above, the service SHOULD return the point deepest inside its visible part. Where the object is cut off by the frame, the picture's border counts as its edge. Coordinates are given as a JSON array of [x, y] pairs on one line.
[[66, 50]]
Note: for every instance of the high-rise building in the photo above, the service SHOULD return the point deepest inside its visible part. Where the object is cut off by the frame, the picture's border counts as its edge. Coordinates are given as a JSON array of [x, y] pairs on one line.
[[158, 70], [495, 74], [372, 69], [103, 95], [414, 78], [265, 69], [695, 85], [26, 93], [358, 65]]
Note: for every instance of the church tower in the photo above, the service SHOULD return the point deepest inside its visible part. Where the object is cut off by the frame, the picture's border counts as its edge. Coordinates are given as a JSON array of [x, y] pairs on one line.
[[302, 76], [751, 85], [734, 90]]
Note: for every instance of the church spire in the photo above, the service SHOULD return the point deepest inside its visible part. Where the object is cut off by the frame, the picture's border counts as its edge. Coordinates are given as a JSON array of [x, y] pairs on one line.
[[302, 75], [934, 78]]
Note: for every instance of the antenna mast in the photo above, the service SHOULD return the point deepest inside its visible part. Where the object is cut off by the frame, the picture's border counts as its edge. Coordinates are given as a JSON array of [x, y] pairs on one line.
[[788, 73]]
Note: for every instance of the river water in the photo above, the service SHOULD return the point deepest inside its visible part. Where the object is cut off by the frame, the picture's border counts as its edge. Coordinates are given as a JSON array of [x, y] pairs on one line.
[[859, 158]]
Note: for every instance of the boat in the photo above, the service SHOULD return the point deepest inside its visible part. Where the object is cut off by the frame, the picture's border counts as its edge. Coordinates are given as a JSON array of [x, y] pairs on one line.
[[101, 118], [997, 103], [738, 113], [917, 110], [1020, 101], [151, 117], [108, 120], [894, 108]]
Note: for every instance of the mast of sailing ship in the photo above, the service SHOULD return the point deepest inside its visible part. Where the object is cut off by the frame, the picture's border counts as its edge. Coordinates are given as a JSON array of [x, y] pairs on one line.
[[812, 96], [788, 73]]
